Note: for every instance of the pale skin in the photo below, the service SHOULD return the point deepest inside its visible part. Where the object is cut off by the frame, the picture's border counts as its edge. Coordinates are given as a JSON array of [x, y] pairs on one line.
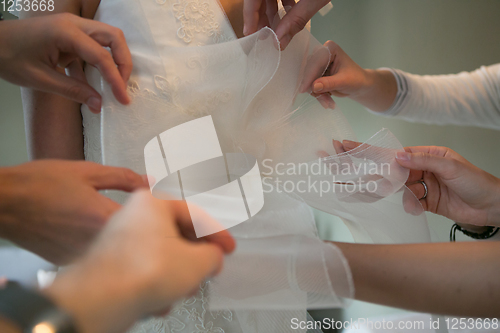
[[374, 89], [146, 258], [261, 13], [409, 276], [53, 208]]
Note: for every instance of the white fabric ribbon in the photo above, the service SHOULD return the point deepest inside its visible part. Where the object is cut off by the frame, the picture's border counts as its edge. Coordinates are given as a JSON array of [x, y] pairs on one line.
[[251, 91]]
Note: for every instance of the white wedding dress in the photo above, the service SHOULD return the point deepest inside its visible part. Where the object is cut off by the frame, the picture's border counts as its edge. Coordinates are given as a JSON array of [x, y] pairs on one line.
[[189, 64]]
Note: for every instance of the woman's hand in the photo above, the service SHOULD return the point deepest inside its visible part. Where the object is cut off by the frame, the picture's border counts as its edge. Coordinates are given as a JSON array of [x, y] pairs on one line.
[[53, 208], [456, 188], [33, 49], [375, 89], [258, 14], [146, 258]]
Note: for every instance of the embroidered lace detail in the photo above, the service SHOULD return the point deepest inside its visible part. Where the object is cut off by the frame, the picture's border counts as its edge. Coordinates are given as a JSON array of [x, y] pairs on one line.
[[189, 316], [167, 92], [196, 17]]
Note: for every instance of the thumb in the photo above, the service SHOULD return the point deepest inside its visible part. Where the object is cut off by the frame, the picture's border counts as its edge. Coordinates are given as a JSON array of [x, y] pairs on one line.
[[55, 82], [426, 162], [296, 19], [326, 84]]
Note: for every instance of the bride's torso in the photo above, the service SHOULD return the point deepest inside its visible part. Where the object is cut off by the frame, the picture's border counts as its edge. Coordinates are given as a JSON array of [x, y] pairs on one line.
[[150, 27]]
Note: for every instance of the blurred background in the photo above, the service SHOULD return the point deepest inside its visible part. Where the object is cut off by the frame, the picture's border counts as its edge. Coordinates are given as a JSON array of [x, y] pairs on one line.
[[417, 36]]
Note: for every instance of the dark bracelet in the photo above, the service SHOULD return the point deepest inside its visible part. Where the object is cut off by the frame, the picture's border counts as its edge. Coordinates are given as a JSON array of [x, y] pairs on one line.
[[490, 232]]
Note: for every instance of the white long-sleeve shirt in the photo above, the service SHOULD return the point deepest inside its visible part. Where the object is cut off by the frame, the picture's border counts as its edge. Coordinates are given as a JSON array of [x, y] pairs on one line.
[[467, 98]]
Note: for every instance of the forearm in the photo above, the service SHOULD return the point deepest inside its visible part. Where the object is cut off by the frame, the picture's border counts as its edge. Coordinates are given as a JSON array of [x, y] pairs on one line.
[[471, 99], [458, 279], [53, 126]]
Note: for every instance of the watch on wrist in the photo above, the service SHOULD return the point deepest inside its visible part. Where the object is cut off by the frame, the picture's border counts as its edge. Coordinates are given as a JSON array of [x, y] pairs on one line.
[[33, 312]]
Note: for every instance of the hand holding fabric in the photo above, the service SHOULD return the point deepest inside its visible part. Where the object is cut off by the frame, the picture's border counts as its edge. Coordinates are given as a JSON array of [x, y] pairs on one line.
[[258, 14], [31, 56], [375, 89], [457, 189], [145, 259]]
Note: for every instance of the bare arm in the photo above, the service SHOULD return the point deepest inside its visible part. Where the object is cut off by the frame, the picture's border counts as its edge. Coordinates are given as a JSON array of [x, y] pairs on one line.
[[460, 279], [54, 123]]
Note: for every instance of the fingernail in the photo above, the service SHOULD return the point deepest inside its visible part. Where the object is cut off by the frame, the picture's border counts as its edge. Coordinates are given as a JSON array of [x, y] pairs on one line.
[[284, 41], [94, 104], [403, 156], [245, 30], [349, 144], [318, 87], [332, 105], [417, 211], [128, 98], [146, 179], [280, 32]]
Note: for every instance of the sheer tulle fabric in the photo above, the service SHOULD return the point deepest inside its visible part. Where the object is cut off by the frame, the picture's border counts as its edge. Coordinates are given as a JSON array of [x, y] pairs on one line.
[[251, 90], [280, 262]]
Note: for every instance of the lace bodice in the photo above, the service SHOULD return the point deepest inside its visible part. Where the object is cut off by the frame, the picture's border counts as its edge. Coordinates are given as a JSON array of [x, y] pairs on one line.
[[179, 23], [190, 316], [176, 23]]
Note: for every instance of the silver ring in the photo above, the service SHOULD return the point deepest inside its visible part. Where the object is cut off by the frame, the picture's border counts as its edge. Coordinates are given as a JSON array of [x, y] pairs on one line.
[[425, 188]]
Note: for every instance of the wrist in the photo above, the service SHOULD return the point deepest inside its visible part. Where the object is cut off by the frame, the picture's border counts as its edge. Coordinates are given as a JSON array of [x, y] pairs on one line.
[[98, 301], [379, 90]]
